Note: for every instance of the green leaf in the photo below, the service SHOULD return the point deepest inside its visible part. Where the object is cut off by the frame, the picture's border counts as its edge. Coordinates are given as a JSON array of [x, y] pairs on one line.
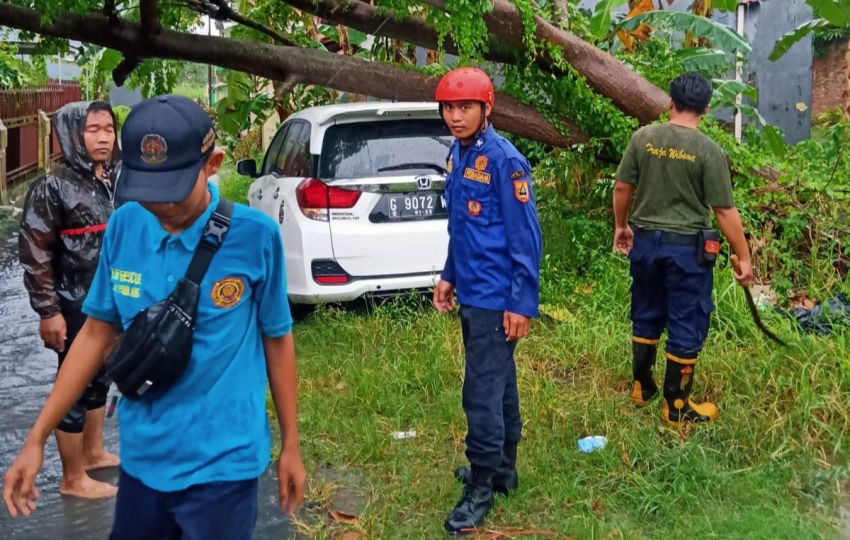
[[791, 38], [775, 141], [752, 112], [600, 24], [726, 90], [836, 12], [356, 37], [109, 60], [238, 86], [772, 134], [721, 36], [724, 5], [697, 59], [331, 32]]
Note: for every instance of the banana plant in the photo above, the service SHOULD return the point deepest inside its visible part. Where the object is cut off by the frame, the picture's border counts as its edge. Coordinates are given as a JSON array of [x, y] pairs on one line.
[[831, 14], [725, 95], [719, 35]]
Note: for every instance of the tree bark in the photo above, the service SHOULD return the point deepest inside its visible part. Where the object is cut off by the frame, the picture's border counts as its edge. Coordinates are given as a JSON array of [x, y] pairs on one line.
[[295, 64], [630, 92]]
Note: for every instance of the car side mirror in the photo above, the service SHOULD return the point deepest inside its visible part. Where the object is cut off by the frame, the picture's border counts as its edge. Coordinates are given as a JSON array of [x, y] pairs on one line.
[[247, 167]]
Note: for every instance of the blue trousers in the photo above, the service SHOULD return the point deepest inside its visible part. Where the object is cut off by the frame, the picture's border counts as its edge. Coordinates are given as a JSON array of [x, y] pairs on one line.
[[490, 396], [214, 511], [670, 290]]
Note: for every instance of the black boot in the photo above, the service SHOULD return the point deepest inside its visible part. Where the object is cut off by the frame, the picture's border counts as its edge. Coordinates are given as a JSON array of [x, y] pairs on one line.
[[474, 505], [643, 358], [676, 407], [505, 477]]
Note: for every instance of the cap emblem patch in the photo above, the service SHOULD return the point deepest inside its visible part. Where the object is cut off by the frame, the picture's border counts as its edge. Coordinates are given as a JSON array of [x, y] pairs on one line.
[[154, 149]]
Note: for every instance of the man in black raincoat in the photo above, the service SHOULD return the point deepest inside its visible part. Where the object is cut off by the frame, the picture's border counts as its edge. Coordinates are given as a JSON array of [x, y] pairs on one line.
[[64, 217]]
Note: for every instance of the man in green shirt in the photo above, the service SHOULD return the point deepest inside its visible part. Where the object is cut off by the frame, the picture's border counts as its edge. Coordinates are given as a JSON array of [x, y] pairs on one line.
[[670, 177]]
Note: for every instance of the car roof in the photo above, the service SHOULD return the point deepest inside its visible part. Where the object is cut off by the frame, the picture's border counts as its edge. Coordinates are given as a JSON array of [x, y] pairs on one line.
[[376, 110]]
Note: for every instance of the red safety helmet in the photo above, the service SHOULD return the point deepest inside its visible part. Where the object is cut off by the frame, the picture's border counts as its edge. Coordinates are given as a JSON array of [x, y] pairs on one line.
[[463, 84]]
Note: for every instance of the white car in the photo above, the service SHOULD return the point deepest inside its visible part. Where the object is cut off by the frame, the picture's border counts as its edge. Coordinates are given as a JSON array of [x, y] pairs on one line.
[[358, 192]]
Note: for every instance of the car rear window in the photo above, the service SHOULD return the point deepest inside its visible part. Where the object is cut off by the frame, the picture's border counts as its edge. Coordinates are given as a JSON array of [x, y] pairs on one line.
[[359, 149]]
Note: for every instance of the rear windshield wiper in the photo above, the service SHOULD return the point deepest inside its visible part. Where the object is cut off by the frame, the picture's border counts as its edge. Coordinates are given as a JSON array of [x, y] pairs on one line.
[[403, 166]]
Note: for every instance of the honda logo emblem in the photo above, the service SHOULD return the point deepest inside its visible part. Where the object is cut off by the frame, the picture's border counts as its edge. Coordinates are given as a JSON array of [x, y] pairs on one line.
[[423, 182]]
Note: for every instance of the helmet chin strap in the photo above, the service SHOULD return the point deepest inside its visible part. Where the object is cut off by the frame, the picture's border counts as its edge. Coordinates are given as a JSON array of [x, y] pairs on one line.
[[483, 125]]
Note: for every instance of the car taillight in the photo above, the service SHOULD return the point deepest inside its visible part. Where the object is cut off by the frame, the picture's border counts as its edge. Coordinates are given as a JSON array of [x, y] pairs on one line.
[[327, 272], [315, 198]]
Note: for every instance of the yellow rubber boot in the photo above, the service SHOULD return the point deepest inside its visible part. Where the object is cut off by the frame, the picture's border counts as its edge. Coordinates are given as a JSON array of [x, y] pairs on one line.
[[677, 407], [643, 359]]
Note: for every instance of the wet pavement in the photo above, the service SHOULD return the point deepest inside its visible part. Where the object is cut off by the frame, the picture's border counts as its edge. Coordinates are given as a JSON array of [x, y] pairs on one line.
[[27, 371]]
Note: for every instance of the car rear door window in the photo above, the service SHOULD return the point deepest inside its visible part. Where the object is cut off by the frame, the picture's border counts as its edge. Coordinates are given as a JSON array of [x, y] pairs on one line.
[[296, 151], [274, 150], [360, 149]]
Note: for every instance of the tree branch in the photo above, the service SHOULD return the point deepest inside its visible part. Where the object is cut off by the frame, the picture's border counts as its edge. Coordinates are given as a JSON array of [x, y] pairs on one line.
[[298, 64], [124, 69], [109, 9], [149, 17], [366, 18], [221, 11], [629, 91]]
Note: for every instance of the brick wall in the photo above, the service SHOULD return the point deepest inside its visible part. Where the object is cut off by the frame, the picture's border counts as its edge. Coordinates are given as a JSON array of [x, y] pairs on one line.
[[831, 79]]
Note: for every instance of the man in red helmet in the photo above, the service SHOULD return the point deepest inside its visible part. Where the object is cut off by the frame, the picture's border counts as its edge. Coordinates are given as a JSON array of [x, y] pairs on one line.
[[493, 266]]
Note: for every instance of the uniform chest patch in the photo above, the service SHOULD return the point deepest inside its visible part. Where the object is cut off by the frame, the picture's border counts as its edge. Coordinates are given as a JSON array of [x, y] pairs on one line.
[[227, 292], [474, 208], [449, 165], [476, 176], [521, 190], [481, 163]]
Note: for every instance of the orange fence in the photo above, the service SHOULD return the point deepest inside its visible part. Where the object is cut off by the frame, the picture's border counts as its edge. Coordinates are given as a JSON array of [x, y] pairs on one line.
[[24, 103]]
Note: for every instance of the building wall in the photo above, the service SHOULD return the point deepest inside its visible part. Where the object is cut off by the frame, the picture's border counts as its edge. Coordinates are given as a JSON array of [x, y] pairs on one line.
[[785, 86], [831, 79]]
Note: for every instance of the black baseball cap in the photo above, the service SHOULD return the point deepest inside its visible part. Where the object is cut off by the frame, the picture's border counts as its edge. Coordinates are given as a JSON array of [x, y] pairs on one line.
[[165, 141]]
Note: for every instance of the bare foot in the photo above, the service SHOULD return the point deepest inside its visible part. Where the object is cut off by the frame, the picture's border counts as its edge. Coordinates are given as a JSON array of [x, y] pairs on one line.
[[101, 461], [87, 488]]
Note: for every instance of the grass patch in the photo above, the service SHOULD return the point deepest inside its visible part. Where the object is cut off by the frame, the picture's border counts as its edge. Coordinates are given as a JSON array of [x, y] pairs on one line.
[[192, 91], [768, 469], [233, 185]]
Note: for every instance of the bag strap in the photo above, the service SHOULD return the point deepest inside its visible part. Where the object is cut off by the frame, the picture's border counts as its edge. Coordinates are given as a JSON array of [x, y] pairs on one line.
[[211, 239]]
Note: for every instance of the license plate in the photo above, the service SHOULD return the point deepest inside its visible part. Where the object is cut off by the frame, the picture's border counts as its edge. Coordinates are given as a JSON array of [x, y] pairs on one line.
[[416, 205]]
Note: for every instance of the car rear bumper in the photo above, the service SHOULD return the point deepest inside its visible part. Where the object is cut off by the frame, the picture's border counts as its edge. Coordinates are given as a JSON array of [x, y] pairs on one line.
[[371, 286]]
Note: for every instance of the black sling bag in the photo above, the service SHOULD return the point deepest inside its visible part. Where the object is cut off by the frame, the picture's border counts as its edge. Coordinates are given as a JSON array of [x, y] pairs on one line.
[[154, 351]]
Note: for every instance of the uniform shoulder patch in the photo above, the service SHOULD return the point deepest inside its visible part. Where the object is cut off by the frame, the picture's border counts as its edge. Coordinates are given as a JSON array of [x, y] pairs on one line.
[[521, 191], [481, 163], [518, 174], [227, 292]]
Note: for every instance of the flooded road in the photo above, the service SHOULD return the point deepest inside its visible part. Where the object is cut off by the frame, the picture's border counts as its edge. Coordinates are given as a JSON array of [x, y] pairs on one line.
[[27, 371]]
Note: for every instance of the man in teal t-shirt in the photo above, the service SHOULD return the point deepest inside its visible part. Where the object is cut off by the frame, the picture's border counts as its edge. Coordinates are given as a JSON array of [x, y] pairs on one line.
[[191, 457]]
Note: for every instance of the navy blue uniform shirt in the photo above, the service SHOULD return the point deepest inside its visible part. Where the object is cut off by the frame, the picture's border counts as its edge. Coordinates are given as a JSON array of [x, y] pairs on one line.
[[494, 235]]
